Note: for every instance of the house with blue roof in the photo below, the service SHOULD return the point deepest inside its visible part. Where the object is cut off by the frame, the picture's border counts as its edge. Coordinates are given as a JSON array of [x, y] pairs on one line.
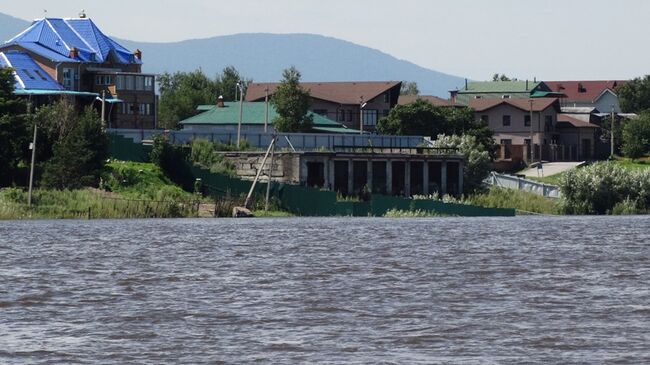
[[71, 56]]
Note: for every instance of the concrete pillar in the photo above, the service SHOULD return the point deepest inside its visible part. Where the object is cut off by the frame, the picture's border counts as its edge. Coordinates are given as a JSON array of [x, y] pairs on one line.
[[369, 175], [331, 174], [460, 177], [407, 178], [350, 176], [443, 178], [425, 177], [389, 177]]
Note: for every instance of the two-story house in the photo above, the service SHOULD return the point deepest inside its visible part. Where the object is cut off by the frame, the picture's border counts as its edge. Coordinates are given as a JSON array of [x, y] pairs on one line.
[[589, 94], [85, 62], [357, 105]]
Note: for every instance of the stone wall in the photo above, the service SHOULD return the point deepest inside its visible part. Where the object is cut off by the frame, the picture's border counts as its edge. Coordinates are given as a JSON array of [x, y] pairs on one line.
[[286, 166]]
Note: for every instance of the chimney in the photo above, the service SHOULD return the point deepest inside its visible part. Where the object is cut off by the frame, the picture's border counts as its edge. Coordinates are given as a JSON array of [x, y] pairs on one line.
[[535, 79], [220, 101], [465, 84], [526, 84], [138, 54], [74, 53], [452, 94]]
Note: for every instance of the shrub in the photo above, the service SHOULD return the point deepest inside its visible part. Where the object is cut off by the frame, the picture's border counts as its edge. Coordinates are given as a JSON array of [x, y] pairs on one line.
[[477, 159]]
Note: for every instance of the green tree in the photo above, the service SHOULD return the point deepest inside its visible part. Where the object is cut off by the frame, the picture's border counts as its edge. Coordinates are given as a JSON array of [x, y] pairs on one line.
[[502, 77], [634, 95], [78, 158], [636, 136], [292, 104], [226, 84], [14, 128], [409, 88]]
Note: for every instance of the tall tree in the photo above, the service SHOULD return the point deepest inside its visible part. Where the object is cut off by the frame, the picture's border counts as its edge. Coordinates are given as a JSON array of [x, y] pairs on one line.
[[292, 104], [634, 95], [14, 128], [79, 157], [502, 77], [227, 84], [636, 136], [409, 88]]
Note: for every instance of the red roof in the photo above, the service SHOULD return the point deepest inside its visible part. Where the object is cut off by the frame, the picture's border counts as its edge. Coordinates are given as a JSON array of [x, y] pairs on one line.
[[539, 104], [338, 92], [436, 101], [583, 91], [575, 122]]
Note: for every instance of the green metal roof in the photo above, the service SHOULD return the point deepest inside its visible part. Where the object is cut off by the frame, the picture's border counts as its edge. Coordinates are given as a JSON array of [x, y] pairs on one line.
[[547, 94], [337, 130], [52, 92], [254, 113], [499, 87]]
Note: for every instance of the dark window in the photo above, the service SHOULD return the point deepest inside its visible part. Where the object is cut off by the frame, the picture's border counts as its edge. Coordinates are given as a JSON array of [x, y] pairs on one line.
[[548, 123], [527, 120], [370, 117], [341, 116], [506, 120], [386, 98], [506, 141], [349, 115]]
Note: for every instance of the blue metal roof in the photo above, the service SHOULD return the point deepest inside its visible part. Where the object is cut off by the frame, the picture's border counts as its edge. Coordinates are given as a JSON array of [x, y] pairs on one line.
[[29, 75], [53, 38]]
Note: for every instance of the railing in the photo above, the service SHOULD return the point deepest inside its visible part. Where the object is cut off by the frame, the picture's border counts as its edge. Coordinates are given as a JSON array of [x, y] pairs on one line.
[[299, 141], [519, 183]]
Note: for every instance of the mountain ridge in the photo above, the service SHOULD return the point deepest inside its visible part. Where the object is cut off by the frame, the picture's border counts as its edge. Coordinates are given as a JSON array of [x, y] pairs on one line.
[[263, 56]]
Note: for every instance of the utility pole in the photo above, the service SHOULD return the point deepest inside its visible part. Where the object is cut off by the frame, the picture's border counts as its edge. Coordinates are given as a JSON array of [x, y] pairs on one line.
[[268, 183], [266, 118], [32, 146], [611, 134], [361, 106], [532, 150], [241, 111]]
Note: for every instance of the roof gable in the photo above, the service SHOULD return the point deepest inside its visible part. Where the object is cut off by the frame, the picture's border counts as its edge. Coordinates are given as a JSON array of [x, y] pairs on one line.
[[539, 104], [54, 38], [337, 92]]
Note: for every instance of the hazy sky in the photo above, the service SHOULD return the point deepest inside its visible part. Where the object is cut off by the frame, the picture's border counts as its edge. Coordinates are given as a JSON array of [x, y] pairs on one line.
[[547, 39]]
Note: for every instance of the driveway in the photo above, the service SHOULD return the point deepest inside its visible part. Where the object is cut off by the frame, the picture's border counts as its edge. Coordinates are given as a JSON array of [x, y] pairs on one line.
[[550, 168]]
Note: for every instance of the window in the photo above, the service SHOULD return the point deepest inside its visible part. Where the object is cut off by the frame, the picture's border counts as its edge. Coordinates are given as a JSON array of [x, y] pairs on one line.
[[119, 82], [506, 141], [369, 117], [349, 115], [505, 96], [341, 116], [130, 82], [148, 83], [68, 75], [485, 118], [527, 141], [527, 120], [28, 74], [506, 120], [386, 98], [139, 83], [38, 73]]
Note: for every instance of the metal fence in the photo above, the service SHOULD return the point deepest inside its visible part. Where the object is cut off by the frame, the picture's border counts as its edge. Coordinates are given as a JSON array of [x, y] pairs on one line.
[[294, 141], [519, 183]]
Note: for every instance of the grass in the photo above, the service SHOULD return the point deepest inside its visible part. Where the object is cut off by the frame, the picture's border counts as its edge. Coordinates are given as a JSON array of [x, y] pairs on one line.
[[516, 199], [137, 180], [271, 214], [639, 164], [397, 213]]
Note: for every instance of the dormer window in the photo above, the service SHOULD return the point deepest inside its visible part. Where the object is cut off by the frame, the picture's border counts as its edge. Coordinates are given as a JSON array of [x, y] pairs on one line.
[[28, 74]]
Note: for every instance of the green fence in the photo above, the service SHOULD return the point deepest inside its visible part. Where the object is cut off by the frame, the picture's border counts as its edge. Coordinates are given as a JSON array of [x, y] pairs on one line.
[[305, 201]]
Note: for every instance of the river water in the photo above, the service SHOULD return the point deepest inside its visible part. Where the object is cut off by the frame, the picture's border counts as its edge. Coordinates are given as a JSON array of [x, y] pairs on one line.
[[326, 290]]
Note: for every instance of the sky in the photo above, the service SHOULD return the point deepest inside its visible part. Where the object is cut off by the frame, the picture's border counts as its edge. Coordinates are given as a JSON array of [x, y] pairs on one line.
[[543, 39]]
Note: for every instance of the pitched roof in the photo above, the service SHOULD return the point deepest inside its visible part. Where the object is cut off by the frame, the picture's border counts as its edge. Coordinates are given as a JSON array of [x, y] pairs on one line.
[[28, 74], [408, 99], [338, 92], [253, 113], [584, 91], [499, 87], [574, 122], [54, 38], [539, 104]]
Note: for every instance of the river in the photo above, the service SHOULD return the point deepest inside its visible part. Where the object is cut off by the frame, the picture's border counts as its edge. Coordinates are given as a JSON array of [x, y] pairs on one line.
[[545, 290]]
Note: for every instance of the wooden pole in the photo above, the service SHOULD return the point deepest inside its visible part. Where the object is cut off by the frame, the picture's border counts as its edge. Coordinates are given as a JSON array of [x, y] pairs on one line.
[[268, 183], [257, 176]]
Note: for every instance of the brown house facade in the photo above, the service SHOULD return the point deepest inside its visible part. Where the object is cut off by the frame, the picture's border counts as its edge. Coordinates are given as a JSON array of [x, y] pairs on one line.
[[357, 105]]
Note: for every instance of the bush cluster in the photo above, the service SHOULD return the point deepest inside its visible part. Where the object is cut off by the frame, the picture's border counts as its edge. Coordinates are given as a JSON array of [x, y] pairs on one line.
[[605, 188]]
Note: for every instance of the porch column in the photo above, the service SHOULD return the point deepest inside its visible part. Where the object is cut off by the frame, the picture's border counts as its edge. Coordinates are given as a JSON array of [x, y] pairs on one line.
[[443, 178], [331, 174], [350, 176], [369, 175], [425, 177], [407, 178], [389, 177]]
